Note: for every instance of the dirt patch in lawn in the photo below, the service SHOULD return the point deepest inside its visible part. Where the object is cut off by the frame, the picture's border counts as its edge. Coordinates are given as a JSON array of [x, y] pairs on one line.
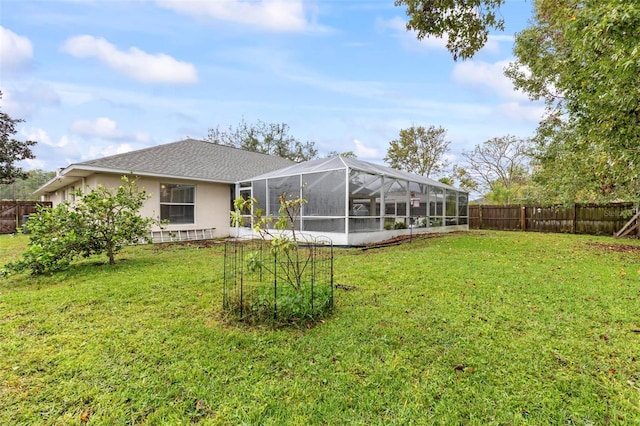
[[618, 248], [177, 245], [400, 239]]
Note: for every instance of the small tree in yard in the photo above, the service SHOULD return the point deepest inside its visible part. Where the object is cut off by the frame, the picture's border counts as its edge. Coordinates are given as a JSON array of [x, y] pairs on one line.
[[56, 236], [275, 278], [283, 242], [113, 218], [101, 221]]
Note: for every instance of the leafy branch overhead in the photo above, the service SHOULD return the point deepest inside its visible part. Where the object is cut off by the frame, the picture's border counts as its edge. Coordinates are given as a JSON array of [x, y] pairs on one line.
[[464, 25]]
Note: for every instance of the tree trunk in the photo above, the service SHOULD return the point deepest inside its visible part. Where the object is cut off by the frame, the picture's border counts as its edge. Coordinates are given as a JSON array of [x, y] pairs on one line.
[[112, 260]]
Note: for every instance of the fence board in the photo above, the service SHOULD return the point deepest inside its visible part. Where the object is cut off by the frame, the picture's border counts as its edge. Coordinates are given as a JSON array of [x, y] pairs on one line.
[[12, 213], [593, 219]]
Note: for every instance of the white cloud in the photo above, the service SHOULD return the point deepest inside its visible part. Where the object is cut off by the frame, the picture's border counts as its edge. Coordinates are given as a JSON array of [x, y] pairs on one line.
[[23, 103], [15, 51], [532, 113], [38, 135], [142, 137], [107, 129], [122, 148], [70, 150], [105, 151], [491, 46], [273, 15], [142, 66], [395, 24], [64, 141], [102, 127], [502, 38], [398, 26], [363, 151], [489, 77], [34, 163]]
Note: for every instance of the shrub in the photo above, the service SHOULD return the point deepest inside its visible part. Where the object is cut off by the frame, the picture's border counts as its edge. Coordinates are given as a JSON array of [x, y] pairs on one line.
[[399, 225], [99, 222]]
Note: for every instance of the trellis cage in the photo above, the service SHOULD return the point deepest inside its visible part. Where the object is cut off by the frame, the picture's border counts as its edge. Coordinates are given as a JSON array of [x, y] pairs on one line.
[[263, 284]]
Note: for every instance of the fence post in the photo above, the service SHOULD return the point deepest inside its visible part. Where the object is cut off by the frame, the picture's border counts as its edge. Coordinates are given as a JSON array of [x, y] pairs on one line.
[[480, 215], [573, 219], [523, 218], [18, 214]]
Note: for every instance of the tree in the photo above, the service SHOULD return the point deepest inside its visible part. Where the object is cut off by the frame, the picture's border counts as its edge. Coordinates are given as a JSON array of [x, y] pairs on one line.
[[289, 256], [346, 154], [447, 180], [268, 138], [280, 231], [12, 150], [101, 221], [112, 218], [463, 180], [498, 166], [419, 150], [55, 239], [582, 59], [464, 24]]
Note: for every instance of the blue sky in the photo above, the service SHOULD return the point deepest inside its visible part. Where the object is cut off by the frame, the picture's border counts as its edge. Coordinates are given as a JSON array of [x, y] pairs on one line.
[[96, 78]]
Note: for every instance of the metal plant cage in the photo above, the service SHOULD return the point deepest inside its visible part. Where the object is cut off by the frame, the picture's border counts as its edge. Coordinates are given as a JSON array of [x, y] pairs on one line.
[[262, 284]]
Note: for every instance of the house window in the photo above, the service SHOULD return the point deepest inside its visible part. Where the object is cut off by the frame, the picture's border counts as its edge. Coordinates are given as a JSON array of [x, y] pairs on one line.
[[177, 203]]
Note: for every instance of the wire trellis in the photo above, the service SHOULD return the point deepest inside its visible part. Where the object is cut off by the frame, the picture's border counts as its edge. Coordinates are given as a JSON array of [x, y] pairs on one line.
[[280, 286]]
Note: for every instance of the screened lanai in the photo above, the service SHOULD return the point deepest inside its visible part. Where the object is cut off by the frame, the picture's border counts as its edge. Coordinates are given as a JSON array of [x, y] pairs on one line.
[[354, 202]]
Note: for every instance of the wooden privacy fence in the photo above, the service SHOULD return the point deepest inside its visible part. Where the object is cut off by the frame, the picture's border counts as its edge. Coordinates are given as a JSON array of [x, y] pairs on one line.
[[13, 214], [593, 219]]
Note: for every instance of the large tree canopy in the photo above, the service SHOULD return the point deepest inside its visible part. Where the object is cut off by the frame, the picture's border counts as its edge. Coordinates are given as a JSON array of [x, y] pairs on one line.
[[464, 24], [12, 150], [498, 168], [419, 150], [268, 138], [582, 57]]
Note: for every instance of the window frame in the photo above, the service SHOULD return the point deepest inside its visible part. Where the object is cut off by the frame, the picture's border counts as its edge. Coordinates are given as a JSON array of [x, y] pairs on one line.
[[185, 204]]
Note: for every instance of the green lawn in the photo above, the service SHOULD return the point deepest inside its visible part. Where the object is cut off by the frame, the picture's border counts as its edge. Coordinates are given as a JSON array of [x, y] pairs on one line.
[[478, 328]]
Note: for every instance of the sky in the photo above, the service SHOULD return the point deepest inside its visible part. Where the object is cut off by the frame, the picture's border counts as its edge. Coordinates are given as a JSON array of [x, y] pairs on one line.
[[93, 78]]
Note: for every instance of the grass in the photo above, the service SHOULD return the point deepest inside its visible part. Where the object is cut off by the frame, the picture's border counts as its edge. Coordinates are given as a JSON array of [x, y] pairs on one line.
[[477, 328]]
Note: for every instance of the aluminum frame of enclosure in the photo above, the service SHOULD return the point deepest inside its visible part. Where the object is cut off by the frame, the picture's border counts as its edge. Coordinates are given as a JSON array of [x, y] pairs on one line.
[[355, 202]]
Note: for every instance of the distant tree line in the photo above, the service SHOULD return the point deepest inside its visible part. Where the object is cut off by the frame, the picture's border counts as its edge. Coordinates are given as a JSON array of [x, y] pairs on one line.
[[23, 189], [268, 138]]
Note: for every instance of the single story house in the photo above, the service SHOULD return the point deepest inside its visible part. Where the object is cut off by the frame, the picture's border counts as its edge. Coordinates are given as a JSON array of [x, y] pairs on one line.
[[191, 183]]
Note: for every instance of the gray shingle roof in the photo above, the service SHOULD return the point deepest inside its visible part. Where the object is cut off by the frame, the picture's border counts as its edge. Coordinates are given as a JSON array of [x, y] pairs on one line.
[[193, 159]]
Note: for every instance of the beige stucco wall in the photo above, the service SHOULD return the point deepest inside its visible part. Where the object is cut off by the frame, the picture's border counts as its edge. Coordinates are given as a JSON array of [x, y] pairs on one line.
[[213, 200], [62, 194]]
